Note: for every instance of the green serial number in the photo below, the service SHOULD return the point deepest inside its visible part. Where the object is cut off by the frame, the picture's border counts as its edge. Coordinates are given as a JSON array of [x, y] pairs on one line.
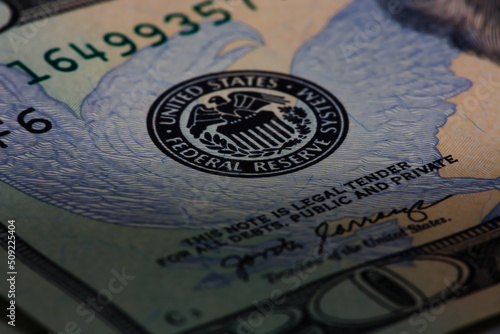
[[204, 9]]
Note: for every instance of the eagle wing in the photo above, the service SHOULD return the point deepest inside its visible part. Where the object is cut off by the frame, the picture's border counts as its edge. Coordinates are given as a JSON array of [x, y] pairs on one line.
[[102, 163], [253, 101], [201, 118], [394, 83]]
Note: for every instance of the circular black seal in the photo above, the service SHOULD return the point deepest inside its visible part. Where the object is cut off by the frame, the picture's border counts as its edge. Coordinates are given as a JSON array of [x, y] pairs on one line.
[[247, 123]]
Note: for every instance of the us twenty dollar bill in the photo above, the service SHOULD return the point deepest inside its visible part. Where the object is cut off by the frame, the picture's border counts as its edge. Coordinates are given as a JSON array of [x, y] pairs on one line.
[[246, 166]]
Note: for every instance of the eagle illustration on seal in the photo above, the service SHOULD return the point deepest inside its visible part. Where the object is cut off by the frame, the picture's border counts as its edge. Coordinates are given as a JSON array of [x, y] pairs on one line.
[[246, 128]]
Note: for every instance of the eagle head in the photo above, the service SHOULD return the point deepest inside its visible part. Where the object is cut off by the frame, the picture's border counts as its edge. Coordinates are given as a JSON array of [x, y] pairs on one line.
[[217, 100]]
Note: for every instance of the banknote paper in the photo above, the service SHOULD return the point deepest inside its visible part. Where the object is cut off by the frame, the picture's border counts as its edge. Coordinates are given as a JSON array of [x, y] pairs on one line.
[[246, 166]]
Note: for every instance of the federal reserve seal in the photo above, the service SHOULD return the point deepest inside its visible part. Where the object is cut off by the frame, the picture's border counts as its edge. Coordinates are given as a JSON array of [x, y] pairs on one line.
[[247, 123]]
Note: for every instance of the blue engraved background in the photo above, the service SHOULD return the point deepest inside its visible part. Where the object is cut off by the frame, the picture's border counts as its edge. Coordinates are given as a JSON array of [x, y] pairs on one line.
[[103, 165]]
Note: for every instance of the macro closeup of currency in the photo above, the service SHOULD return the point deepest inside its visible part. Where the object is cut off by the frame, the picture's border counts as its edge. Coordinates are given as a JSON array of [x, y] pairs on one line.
[[250, 166]]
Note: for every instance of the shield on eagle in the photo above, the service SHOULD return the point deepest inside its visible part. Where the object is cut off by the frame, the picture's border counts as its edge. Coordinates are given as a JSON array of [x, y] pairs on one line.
[[245, 124]]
